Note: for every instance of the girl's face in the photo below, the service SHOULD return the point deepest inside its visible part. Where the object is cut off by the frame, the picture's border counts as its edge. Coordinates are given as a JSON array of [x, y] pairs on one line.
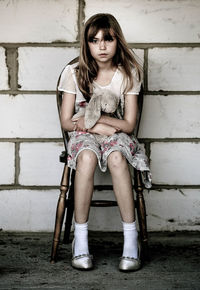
[[103, 48]]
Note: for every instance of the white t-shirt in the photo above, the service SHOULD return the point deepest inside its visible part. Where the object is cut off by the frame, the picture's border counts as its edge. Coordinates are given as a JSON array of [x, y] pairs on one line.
[[68, 83]]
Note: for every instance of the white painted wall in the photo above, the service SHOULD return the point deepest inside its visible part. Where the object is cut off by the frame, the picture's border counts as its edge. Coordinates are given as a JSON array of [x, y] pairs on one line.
[[3, 70], [30, 21], [174, 69], [46, 64], [29, 116], [154, 20], [178, 116], [44, 37], [7, 164]]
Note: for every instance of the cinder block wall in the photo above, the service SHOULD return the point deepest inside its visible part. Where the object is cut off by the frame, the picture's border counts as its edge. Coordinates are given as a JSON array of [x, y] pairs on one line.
[[37, 39]]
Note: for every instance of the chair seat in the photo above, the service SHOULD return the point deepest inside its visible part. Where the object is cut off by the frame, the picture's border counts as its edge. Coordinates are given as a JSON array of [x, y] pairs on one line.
[[63, 157]]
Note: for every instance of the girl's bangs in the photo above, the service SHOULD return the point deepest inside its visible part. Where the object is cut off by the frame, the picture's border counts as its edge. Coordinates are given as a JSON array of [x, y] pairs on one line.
[[93, 30]]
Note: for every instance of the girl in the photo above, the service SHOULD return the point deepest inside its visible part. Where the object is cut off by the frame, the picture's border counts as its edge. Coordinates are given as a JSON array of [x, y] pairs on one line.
[[105, 63]]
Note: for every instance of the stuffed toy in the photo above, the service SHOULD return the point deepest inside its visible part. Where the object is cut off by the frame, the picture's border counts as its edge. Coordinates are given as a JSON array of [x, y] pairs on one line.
[[101, 101]]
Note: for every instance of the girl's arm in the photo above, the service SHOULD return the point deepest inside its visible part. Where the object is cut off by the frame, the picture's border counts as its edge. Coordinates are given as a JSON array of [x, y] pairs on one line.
[[109, 125], [103, 129], [106, 125], [126, 125], [100, 128], [67, 111]]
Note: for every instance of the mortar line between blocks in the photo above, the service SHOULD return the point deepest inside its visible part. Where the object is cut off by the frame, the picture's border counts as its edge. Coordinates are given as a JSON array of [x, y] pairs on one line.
[[146, 70], [146, 92], [139, 45], [142, 140], [81, 18], [17, 162]]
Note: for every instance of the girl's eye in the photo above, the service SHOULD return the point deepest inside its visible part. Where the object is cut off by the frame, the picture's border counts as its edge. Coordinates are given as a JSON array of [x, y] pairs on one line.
[[93, 40]]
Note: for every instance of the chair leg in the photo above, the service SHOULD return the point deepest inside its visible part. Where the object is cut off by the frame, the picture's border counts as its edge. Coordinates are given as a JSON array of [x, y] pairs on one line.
[[70, 210], [60, 213], [141, 213], [68, 223]]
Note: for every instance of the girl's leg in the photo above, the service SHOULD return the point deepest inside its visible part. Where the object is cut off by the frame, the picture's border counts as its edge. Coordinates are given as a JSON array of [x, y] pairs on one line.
[[83, 187], [84, 182], [122, 186]]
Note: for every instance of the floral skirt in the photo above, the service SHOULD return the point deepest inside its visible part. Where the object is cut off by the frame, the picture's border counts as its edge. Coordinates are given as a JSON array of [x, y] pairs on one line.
[[127, 145]]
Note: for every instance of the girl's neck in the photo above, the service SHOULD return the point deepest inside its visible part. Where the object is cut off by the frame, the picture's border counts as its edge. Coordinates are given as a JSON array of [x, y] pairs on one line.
[[105, 75], [106, 66]]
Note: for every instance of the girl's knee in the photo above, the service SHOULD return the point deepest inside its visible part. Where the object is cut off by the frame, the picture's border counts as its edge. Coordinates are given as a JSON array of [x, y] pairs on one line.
[[116, 159], [87, 157]]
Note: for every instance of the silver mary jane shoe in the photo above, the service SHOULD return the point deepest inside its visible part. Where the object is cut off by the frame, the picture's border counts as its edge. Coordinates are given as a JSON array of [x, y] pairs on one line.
[[81, 262], [130, 264]]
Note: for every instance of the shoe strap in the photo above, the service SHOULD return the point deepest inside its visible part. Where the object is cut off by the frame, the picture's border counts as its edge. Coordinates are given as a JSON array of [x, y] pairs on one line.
[[82, 256], [129, 259]]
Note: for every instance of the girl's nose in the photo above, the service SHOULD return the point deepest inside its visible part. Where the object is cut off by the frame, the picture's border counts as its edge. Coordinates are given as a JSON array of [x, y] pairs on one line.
[[102, 44]]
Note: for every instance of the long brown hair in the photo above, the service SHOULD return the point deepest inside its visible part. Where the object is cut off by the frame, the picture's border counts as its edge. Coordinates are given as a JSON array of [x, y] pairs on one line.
[[87, 68]]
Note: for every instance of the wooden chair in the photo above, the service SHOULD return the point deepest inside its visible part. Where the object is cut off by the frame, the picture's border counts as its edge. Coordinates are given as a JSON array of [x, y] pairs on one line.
[[66, 198]]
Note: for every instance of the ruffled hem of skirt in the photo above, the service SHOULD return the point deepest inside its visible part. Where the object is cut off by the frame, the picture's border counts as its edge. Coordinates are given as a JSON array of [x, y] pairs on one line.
[[136, 161]]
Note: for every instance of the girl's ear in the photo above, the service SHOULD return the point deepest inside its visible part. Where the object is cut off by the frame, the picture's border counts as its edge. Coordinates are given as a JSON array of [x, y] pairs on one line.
[[93, 112]]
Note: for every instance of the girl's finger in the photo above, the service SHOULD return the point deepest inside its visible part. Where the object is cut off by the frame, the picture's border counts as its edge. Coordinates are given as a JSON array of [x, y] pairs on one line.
[[75, 119]]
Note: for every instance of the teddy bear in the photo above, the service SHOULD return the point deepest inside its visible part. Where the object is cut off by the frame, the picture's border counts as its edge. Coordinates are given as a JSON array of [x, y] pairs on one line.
[[101, 101]]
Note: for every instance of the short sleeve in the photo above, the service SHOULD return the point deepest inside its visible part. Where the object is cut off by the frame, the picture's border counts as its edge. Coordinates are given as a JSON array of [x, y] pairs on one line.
[[136, 83], [67, 81]]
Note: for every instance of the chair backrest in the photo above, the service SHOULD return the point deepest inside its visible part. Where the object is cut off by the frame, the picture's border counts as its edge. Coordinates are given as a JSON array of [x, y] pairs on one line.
[[139, 113], [59, 103]]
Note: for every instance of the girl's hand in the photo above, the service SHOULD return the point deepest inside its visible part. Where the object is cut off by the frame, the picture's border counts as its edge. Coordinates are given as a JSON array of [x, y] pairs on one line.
[[103, 129], [80, 124]]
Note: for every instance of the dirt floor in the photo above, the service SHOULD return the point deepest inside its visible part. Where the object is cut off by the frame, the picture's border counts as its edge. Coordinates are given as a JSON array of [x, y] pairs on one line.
[[24, 263]]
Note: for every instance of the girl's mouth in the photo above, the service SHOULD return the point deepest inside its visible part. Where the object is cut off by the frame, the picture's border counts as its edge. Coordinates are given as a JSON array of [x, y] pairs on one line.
[[103, 54]]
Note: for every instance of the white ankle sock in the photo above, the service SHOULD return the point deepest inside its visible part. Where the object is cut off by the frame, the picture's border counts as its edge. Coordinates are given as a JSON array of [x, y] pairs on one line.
[[130, 240], [81, 239]]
